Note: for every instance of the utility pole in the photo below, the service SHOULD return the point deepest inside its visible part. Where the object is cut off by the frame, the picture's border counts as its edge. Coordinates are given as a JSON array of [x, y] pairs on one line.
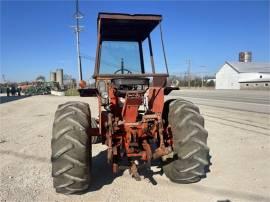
[[78, 15], [4, 78], [202, 79], [202, 66], [122, 65], [188, 71]]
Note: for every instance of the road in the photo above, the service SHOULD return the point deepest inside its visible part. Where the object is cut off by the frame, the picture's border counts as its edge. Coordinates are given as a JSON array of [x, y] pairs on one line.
[[252, 101], [239, 140]]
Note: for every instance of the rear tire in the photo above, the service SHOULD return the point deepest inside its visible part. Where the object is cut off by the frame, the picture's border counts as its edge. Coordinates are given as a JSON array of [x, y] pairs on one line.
[[191, 154], [71, 148]]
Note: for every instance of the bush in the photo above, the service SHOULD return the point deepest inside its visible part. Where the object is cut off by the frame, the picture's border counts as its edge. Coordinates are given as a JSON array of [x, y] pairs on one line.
[[72, 92]]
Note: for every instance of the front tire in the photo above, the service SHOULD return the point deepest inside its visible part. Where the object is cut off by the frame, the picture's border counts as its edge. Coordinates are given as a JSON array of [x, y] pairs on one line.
[[71, 148], [191, 154]]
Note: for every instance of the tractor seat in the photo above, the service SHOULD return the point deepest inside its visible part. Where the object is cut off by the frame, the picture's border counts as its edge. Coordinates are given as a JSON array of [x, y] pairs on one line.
[[123, 85]]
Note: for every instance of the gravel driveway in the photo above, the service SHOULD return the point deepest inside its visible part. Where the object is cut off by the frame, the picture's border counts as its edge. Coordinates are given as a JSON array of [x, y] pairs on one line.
[[239, 143]]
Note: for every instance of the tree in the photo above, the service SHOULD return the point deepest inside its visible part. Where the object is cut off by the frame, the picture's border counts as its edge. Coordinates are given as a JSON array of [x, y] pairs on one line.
[[41, 78], [69, 81], [211, 83]]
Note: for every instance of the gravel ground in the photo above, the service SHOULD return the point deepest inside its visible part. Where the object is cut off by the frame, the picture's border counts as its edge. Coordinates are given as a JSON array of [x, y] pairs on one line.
[[239, 143]]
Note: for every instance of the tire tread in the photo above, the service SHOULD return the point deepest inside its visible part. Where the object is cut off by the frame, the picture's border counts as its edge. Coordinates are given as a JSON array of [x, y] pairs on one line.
[[71, 148], [191, 162]]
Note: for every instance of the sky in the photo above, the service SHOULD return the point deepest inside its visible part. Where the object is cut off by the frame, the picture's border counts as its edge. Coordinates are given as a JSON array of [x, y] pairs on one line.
[[36, 36]]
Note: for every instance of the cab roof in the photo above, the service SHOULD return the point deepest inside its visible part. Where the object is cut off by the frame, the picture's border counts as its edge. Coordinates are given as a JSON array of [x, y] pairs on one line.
[[126, 27]]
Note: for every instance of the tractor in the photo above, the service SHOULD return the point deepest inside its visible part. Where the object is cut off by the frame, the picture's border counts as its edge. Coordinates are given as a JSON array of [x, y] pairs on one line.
[[136, 123]]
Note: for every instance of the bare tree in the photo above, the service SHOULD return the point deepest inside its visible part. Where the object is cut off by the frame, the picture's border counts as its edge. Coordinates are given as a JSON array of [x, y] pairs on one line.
[[41, 78]]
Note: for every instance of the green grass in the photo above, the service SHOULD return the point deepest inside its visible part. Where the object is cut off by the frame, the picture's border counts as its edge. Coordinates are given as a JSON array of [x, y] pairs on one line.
[[72, 92]]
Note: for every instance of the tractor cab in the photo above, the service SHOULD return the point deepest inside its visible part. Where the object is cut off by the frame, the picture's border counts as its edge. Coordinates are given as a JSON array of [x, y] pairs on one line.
[[120, 44], [120, 56], [123, 42]]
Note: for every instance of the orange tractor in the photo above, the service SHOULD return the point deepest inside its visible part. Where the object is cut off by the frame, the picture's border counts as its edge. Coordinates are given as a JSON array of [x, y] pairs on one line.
[[135, 122]]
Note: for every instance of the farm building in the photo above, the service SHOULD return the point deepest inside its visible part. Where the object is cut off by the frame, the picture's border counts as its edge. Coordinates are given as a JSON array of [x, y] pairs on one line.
[[243, 75]]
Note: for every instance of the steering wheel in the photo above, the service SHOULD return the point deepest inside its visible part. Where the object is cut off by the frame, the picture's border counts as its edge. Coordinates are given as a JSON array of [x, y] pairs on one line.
[[124, 70]]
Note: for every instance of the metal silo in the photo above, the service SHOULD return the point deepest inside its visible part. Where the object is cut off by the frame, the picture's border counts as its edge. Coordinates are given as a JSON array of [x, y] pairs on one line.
[[59, 76], [53, 76], [245, 56]]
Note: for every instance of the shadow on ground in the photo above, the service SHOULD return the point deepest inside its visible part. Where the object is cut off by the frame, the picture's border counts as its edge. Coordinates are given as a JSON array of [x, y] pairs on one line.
[[102, 172], [5, 99]]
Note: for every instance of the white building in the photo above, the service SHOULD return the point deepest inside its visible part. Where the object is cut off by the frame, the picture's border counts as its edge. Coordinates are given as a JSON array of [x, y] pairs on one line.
[[243, 75]]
